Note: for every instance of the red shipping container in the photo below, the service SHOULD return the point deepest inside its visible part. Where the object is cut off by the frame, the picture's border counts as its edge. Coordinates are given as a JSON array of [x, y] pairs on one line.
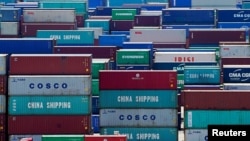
[[215, 99], [61, 124], [105, 138], [80, 20], [3, 84], [3, 137], [49, 64], [96, 51], [3, 123], [137, 79], [30, 29], [216, 36]]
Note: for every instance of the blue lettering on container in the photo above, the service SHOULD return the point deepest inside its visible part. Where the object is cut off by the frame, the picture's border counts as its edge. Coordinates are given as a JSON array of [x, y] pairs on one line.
[[137, 117], [48, 85]]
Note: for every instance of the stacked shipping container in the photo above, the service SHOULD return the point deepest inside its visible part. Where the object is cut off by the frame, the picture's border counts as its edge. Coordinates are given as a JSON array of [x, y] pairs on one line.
[[144, 104], [54, 96]]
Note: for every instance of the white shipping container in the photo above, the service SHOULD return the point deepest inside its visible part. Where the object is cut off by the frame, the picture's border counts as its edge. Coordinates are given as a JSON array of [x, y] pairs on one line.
[[9, 28], [138, 117], [20, 137], [234, 50], [184, 57], [2, 104], [215, 3], [236, 86], [49, 15], [49, 84], [196, 135], [97, 31], [158, 35], [3, 64]]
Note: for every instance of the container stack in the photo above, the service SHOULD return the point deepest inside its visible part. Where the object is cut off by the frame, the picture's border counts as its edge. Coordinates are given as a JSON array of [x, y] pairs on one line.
[[141, 104], [10, 22], [49, 94], [213, 107], [97, 65], [3, 95], [35, 19]]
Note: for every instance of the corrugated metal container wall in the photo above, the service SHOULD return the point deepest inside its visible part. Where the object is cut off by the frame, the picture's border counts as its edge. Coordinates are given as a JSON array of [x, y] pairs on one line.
[[214, 36], [68, 37], [147, 134], [215, 99], [28, 45], [65, 64], [196, 135], [96, 51], [95, 87], [234, 51], [235, 61], [133, 67], [112, 40], [49, 105], [3, 104], [147, 20], [96, 123], [202, 75], [49, 84], [63, 137], [184, 56], [10, 14], [138, 99], [19, 137], [97, 30], [9, 28], [214, 4], [104, 23], [123, 14], [233, 15], [30, 29], [99, 64], [158, 35], [3, 137], [49, 15], [63, 124], [3, 65], [133, 56], [138, 117], [202, 87], [95, 104], [105, 137], [236, 73], [3, 122], [200, 119], [236, 86], [121, 25], [138, 79]]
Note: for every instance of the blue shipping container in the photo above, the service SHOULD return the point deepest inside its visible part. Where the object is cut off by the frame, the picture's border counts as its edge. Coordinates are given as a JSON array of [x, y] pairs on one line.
[[233, 15], [180, 3], [112, 40], [10, 14], [95, 105], [188, 16], [236, 73], [138, 99], [49, 105], [107, 10], [202, 75], [68, 37], [27, 45], [96, 123], [95, 3], [200, 119], [145, 134]]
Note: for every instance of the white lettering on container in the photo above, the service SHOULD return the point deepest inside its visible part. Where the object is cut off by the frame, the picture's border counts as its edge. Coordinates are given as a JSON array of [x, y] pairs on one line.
[[35, 105], [148, 136], [132, 57], [59, 105], [147, 99], [124, 99], [71, 37]]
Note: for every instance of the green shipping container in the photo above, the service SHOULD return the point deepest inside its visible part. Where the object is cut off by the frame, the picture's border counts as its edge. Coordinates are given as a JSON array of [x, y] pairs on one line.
[[95, 87], [123, 14], [62, 137], [103, 23], [80, 7], [133, 56], [180, 81], [68, 37], [200, 119], [97, 65]]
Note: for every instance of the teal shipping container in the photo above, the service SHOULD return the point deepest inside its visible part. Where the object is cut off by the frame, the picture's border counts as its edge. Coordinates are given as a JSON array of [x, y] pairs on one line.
[[121, 2], [144, 134], [49, 105], [68, 37], [138, 99], [2, 104], [103, 23], [95, 87], [200, 119], [202, 75], [80, 7]]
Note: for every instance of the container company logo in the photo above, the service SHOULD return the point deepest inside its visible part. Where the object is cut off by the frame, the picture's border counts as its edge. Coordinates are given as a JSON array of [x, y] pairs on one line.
[[238, 75], [137, 77], [241, 14]]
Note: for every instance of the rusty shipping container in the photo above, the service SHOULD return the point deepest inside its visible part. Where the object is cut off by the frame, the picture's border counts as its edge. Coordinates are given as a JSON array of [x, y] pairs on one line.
[[3, 123], [63, 124], [40, 64], [215, 99], [96, 51], [105, 138], [214, 36], [137, 79], [29, 29]]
